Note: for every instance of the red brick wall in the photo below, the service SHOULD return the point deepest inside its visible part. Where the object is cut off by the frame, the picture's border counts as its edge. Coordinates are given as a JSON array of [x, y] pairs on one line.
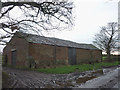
[[41, 52], [82, 56], [88, 56], [45, 55], [61, 55], [21, 47], [97, 55]]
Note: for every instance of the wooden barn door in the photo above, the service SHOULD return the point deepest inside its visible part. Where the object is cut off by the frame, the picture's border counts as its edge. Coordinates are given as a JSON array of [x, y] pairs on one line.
[[13, 57], [72, 56]]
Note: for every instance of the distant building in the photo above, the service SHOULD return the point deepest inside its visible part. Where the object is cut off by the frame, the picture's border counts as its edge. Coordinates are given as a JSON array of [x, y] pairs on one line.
[[48, 51]]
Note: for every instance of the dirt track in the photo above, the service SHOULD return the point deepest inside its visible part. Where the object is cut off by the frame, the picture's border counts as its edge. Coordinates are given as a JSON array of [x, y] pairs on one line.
[[110, 80], [32, 79]]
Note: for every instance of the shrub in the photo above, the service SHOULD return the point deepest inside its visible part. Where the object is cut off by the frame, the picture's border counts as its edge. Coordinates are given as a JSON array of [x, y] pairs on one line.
[[31, 62]]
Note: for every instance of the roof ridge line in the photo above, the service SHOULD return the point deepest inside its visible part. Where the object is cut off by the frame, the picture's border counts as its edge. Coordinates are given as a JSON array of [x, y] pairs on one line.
[[56, 41]]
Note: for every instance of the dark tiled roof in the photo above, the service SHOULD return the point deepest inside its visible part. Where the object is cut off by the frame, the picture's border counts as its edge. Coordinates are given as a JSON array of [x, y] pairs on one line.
[[55, 41]]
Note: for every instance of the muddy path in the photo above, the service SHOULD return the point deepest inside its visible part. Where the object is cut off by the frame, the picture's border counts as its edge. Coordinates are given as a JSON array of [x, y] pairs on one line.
[[32, 79], [110, 80]]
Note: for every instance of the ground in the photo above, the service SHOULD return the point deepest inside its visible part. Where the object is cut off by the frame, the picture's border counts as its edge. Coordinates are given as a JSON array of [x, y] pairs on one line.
[[109, 80], [32, 79]]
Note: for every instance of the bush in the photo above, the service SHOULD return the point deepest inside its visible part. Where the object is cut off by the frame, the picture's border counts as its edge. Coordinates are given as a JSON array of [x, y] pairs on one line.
[[31, 62]]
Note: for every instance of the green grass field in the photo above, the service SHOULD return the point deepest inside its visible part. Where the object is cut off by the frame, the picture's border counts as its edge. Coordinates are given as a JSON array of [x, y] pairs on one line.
[[79, 68], [104, 57]]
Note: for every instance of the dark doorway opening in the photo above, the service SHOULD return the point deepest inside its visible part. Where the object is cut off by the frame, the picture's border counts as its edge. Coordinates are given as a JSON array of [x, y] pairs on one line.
[[13, 57], [72, 56]]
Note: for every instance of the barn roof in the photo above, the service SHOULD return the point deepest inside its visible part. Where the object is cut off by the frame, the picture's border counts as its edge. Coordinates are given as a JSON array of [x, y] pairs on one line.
[[55, 41]]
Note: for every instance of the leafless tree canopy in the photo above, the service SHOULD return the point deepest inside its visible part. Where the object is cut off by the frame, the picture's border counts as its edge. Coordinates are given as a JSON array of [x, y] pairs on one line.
[[35, 16], [106, 39]]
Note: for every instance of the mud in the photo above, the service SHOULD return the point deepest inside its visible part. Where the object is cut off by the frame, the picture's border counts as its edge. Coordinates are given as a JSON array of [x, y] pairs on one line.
[[84, 79], [32, 79]]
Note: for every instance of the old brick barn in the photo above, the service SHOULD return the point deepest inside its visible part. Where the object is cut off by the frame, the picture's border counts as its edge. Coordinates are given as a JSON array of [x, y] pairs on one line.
[[48, 51]]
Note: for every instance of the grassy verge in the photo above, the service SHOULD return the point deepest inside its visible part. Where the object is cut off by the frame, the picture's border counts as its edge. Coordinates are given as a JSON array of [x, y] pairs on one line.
[[71, 68], [80, 68]]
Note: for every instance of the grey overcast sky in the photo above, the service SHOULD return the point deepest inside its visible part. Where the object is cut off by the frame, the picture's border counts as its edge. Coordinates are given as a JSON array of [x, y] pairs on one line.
[[89, 15]]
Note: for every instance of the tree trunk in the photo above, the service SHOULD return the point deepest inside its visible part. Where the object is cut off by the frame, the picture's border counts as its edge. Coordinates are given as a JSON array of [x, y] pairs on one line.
[[108, 55]]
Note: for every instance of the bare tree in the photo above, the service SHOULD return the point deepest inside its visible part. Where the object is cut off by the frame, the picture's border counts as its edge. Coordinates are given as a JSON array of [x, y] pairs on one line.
[[106, 39], [36, 16]]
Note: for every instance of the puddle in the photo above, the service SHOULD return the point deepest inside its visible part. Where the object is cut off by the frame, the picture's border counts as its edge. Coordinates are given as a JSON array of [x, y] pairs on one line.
[[66, 84], [93, 75], [84, 79]]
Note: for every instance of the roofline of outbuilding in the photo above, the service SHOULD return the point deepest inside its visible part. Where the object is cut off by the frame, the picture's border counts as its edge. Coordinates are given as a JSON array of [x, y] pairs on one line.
[[95, 48], [64, 46]]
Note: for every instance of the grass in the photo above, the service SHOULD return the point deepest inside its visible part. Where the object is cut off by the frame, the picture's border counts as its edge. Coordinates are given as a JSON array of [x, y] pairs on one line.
[[71, 68], [104, 57], [80, 68]]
